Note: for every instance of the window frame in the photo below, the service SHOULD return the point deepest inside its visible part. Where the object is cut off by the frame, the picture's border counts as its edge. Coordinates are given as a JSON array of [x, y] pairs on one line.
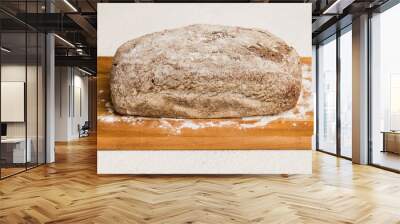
[[334, 37]]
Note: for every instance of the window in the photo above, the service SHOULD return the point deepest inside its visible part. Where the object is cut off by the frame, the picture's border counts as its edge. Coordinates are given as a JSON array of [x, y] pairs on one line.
[[385, 89], [327, 96], [334, 106], [346, 93], [22, 76]]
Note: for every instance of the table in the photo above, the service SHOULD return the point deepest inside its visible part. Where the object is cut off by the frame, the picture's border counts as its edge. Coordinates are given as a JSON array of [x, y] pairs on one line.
[[391, 141], [13, 150]]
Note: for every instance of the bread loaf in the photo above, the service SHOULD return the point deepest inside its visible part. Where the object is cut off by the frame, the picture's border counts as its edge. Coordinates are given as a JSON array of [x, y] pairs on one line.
[[205, 71]]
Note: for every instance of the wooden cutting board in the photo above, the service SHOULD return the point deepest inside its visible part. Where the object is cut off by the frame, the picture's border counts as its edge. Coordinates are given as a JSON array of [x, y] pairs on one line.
[[117, 132]]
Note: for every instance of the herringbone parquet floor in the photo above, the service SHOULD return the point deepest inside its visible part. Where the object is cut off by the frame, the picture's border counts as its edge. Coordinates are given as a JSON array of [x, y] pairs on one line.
[[70, 191]]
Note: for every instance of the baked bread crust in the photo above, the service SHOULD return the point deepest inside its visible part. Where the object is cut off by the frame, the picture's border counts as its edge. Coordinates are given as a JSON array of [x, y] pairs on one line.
[[205, 71]]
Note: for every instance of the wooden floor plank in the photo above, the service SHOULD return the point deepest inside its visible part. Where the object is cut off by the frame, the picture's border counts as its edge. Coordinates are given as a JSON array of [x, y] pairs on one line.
[[70, 191]]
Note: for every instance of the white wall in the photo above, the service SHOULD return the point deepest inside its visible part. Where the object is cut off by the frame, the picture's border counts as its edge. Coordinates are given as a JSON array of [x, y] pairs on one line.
[[14, 72], [204, 162], [62, 82], [70, 83], [17, 72], [118, 23], [33, 127], [80, 108]]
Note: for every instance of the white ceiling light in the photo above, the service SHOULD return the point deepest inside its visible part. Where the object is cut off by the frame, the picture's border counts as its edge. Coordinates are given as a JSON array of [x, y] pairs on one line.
[[70, 5], [84, 71], [5, 50], [64, 40], [337, 7], [79, 51]]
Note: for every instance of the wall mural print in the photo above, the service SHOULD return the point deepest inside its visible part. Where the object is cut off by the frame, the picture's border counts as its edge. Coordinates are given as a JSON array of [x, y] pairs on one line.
[[205, 71], [205, 84]]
